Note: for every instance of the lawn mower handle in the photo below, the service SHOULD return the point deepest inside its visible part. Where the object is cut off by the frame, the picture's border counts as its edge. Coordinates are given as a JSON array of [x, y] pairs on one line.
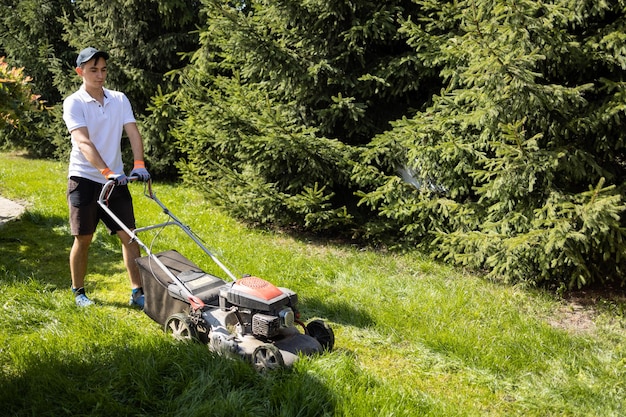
[[107, 189]]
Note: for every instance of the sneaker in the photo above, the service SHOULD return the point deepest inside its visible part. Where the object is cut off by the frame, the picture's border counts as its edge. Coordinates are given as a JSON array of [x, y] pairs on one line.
[[137, 298], [83, 301]]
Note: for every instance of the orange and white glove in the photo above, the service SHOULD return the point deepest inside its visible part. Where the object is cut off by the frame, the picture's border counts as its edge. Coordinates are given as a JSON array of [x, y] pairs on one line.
[[120, 179], [139, 171]]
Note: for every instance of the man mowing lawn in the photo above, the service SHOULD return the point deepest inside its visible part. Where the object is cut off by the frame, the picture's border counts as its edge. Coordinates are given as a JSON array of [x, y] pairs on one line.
[[96, 118]]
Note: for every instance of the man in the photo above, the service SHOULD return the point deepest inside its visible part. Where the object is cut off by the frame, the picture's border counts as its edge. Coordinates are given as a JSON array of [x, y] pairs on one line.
[[96, 118]]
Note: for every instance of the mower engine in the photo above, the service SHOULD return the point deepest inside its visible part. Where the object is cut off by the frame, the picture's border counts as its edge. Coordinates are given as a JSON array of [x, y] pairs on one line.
[[262, 308]]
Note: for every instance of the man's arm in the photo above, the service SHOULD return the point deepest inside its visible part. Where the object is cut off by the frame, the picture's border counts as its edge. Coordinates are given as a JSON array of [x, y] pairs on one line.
[[87, 148], [136, 143]]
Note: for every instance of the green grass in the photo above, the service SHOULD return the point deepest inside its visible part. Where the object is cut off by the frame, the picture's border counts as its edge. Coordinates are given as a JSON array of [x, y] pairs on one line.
[[413, 337]]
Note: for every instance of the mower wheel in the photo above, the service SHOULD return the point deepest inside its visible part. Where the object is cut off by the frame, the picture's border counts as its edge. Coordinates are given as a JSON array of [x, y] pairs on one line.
[[267, 357], [180, 327], [321, 332]]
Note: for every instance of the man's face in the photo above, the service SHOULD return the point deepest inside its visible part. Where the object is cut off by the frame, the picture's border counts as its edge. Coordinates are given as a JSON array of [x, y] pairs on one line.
[[94, 72]]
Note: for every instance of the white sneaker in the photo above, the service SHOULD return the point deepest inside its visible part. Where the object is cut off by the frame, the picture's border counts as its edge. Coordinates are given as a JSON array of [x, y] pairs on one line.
[[83, 301]]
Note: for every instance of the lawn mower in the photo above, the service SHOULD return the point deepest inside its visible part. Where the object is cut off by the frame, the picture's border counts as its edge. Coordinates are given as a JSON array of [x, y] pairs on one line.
[[247, 316]]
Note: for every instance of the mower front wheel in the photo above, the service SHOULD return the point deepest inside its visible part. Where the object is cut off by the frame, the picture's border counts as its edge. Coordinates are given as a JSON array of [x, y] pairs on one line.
[[267, 357], [180, 327]]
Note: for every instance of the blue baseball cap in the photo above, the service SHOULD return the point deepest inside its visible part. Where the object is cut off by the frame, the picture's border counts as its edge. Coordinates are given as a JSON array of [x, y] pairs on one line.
[[89, 53]]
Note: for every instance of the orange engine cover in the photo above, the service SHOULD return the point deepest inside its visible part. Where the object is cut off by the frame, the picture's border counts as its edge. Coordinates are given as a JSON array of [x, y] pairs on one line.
[[257, 287]]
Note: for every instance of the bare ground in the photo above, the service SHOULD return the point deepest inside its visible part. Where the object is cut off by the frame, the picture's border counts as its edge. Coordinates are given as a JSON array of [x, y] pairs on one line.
[[580, 310]]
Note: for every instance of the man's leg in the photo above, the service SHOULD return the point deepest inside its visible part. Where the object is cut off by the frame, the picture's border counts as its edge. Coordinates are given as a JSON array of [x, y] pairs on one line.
[[130, 252], [79, 256]]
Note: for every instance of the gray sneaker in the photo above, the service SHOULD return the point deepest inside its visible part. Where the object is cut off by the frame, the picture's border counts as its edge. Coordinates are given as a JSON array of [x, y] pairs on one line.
[[83, 301]]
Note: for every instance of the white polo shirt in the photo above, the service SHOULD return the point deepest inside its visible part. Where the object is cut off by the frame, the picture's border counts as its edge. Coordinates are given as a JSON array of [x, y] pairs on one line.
[[105, 124]]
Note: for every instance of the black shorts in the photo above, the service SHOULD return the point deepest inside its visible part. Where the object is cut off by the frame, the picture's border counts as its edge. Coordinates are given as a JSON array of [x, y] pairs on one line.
[[85, 212]]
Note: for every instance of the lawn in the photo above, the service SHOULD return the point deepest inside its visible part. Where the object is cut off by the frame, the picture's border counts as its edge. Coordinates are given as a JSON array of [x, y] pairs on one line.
[[414, 337]]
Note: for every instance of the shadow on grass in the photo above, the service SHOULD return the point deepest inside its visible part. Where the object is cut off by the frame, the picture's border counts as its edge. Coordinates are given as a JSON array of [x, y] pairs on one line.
[[37, 247], [157, 379]]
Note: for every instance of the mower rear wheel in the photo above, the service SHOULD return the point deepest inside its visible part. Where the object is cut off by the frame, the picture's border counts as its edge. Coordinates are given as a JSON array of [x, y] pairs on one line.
[[267, 357], [321, 332], [180, 327]]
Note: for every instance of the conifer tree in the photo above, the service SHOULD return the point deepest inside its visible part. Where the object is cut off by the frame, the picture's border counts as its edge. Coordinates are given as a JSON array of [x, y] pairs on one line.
[[280, 96], [513, 163], [518, 165]]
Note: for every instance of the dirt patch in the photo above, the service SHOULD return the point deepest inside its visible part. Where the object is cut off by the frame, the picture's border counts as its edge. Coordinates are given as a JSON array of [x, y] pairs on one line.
[[574, 317], [580, 309]]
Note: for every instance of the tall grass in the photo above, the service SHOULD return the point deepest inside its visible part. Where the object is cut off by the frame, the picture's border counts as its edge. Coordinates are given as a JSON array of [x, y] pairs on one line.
[[413, 337]]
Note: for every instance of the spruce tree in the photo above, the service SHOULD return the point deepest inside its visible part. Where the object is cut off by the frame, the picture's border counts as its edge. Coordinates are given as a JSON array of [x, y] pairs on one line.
[[282, 93], [518, 165]]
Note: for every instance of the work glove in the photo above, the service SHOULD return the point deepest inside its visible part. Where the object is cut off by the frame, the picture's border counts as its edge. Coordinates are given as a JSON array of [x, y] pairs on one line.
[[139, 171], [120, 179]]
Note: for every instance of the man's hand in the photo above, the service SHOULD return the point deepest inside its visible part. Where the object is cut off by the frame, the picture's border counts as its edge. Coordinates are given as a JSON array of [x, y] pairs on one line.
[[120, 179], [139, 170]]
